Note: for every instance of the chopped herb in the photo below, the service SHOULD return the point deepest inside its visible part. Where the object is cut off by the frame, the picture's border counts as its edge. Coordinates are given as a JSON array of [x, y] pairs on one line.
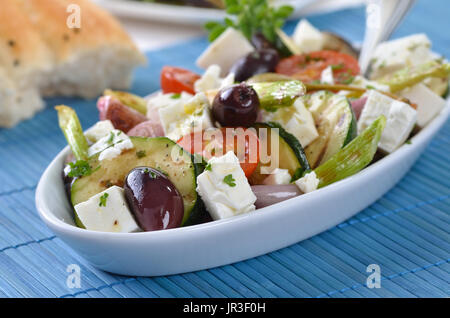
[[408, 142], [336, 67], [153, 175], [141, 154], [103, 199], [111, 138], [80, 168], [251, 17], [146, 170], [349, 80], [208, 167], [175, 96], [370, 87], [229, 180]]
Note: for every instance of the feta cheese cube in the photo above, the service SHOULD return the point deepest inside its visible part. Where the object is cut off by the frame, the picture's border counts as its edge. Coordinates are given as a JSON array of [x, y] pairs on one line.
[[224, 188], [278, 176], [107, 211], [396, 54], [307, 37], [230, 46], [181, 119], [296, 119], [111, 145], [327, 76], [428, 103], [309, 182], [211, 80], [400, 119], [99, 130]]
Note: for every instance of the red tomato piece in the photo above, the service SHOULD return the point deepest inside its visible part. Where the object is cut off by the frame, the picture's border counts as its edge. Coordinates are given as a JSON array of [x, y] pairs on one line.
[[217, 142], [309, 67], [177, 80]]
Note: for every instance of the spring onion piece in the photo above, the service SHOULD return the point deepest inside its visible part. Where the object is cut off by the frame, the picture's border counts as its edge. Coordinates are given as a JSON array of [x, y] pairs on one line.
[[128, 99], [359, 90], [273, 95], [353, 157], [411, 76], [71, 127]]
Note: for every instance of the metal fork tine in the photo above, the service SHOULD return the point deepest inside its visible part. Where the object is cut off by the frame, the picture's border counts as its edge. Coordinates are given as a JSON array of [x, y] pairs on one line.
[[389, 12]]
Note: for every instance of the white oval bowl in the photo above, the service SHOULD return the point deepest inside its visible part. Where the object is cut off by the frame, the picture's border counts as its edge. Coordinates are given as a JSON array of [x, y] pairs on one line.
[[231, 240]]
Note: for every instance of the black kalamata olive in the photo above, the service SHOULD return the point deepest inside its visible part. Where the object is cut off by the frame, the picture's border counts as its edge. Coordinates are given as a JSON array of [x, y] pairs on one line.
[[256, 62], [153, 199], [259, 41], [236, 106]]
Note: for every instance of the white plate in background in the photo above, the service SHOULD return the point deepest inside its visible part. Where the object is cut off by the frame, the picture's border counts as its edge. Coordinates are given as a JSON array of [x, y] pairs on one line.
[[198, 16]]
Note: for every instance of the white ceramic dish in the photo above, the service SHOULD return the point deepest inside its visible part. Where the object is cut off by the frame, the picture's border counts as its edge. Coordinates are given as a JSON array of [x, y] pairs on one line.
[[223, 242], [176, 14]]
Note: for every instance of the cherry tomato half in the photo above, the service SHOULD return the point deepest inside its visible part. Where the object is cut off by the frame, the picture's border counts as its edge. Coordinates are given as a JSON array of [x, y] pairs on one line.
[[309, 67], [177, 80], [217, 142]]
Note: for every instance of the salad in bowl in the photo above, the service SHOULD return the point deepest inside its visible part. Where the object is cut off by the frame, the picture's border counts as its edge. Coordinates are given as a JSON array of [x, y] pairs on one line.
[[272, 117]]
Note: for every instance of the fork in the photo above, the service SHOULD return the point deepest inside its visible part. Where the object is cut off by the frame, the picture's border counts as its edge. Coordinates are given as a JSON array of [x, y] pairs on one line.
[[382, 18]]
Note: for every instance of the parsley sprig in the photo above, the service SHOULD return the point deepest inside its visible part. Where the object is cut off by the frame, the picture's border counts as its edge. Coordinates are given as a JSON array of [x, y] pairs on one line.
[[251, 17], [229, 180], [103, 199], [80, 168]]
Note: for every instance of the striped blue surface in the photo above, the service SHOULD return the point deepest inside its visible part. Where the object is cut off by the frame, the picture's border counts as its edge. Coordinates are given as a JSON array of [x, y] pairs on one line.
[[406, 232]]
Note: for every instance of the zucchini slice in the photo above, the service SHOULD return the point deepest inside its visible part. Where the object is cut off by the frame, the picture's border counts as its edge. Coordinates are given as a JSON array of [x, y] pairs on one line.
[[160, 153], [335, 122], [291, 155]]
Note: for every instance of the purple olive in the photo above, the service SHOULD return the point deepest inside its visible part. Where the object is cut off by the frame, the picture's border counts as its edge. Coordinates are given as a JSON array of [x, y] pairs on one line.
[[256, 62], [236, 106], [259, 41], [153, 199]]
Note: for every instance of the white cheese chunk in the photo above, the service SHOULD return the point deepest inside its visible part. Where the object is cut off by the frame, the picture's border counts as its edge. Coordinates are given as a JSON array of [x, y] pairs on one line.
[[327, 76], [161, 100], [224, 188], [278, 176], [307, 37], [428, 103], [111, 145], [296, 119], [99, 130], [211, 80], [309, 182], [107, 211], [181, 119], [396, 54], [400, 119], [224, 51]]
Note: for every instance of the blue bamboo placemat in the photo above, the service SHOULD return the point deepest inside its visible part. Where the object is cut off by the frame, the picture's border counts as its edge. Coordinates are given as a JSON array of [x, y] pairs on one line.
[[406, 232]]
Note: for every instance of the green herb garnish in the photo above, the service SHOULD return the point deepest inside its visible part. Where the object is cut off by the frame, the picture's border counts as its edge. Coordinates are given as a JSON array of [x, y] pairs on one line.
[[140, 154], [111, 138], [175, 96], [103, 199], [80, 168], [336, 67], [208, 167], [229, 180], [251, 17]]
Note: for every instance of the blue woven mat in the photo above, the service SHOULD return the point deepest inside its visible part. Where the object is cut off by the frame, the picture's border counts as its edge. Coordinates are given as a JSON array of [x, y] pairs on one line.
[[406, 232]]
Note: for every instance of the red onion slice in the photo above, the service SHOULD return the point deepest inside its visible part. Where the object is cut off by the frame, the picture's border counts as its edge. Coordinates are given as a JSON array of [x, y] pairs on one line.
[[270, 194]]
